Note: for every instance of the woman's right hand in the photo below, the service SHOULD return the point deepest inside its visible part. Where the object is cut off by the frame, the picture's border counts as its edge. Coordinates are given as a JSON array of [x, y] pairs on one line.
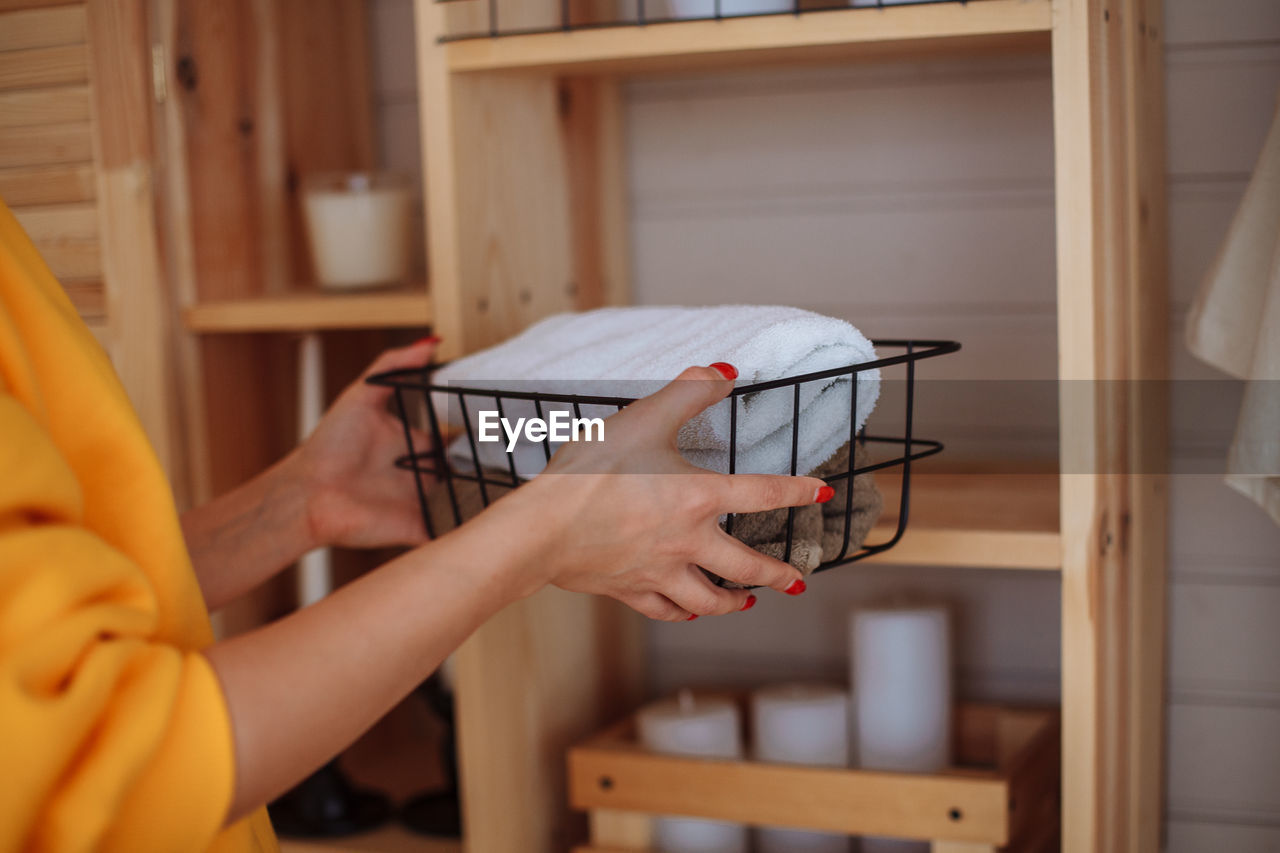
[[628, 517]]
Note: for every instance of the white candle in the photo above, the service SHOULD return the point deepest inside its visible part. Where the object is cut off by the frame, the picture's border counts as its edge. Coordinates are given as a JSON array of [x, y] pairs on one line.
[[703, 728], [358, 226], [901, 660], [801, 724]]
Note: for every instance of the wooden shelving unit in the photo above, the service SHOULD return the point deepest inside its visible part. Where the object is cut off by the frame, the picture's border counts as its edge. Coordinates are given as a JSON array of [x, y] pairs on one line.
[[524, 154], [312, 311]]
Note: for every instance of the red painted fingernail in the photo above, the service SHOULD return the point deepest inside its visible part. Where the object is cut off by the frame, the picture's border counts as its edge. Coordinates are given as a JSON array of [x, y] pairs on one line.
[[750, 602], [728, 371], [825, 493], [797, 586], [429, 339], [692, 616]]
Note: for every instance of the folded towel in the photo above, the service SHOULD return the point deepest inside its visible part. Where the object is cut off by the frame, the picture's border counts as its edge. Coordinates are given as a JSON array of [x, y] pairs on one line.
[[632, 352], [818, 530]]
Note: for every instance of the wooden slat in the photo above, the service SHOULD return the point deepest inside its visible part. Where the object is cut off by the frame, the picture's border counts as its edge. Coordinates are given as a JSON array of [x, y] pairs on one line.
[[59, 223], [754, 39], [832, 800], [15, 5], [33, 28], [89, 297], [60, 105], [312, 311], [39, 146], [40, 185], [68, 260], [44, 66]]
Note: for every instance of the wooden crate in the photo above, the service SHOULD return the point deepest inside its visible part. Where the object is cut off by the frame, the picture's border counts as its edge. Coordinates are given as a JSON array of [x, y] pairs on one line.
[[1002, 795]]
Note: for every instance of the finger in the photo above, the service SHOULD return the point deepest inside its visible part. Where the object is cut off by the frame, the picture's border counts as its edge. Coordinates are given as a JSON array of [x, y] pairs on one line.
[[656, 606], [692, 591], [416, 354], [762, 492], [732, 560], [693, 390]]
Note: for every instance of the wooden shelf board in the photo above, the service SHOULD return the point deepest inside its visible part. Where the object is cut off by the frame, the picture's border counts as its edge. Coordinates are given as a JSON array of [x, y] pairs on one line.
[[988, 24], [313, 311], [999, 521]]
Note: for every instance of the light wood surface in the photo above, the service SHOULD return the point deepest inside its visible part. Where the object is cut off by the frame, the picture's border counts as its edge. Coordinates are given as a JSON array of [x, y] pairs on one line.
[[1005, 521], [400, 308], [1112, 322], [620, 830], [781, 38], [23, 29], [44, 66], [39, 145], [42, 185], [61, 105]]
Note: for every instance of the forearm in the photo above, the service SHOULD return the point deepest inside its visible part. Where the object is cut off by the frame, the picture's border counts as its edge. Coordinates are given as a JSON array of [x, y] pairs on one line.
[[301, 689], [245, 536]]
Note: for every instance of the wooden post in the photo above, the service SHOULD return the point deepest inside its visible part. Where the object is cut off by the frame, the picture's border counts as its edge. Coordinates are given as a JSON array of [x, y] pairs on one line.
[[503, 251], [1108, 104]]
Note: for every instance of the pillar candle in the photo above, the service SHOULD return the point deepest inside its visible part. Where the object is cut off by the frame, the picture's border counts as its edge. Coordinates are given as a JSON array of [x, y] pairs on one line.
[[702, 728], [901, 662], [801, 724]]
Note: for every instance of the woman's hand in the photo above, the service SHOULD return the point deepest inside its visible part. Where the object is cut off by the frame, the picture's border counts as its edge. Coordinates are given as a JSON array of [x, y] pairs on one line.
[[631, 519], [355, 495]]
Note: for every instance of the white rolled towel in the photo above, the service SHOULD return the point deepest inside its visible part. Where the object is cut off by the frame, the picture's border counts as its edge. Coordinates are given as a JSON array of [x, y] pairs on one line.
[[632, 352]]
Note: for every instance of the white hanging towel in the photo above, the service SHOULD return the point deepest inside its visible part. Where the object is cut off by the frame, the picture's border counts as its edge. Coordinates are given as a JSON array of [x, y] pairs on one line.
[[632, 352], [1234, 325]]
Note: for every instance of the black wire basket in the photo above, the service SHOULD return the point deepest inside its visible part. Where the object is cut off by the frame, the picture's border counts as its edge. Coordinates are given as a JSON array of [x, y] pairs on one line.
[[431, 464]]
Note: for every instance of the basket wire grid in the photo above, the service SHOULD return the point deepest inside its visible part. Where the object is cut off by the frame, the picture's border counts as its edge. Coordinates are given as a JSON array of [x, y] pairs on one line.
[[432, 463], [644, 18]]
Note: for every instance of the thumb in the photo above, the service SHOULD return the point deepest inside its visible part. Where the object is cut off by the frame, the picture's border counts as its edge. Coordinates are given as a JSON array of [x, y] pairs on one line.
[[416, 354], [693, 390]]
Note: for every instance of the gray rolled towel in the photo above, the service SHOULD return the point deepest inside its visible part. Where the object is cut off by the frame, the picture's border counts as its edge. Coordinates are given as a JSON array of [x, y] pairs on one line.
[[818, 530]]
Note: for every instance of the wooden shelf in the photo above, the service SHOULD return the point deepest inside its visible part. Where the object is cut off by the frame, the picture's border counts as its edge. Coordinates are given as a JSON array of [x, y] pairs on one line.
[[817, 35], [313, 311], [1000, 521]]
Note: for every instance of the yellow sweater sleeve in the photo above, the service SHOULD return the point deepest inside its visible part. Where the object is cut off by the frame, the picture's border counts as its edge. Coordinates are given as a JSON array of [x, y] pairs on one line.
[[114, 734]]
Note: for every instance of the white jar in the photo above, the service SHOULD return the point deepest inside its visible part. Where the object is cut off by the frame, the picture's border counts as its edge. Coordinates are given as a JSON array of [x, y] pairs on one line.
[[358, 228]]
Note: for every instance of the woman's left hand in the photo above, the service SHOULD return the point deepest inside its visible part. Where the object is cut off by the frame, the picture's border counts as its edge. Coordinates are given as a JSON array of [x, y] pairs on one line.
[[355, 495]]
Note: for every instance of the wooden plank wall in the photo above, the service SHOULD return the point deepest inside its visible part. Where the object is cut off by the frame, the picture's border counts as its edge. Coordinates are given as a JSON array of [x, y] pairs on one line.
[[47, 173]]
